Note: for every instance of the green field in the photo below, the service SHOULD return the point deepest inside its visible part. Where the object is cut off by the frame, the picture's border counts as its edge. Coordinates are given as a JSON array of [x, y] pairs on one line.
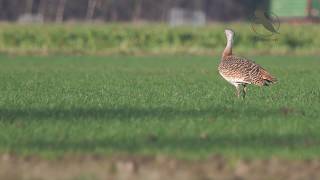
[[172, 105]]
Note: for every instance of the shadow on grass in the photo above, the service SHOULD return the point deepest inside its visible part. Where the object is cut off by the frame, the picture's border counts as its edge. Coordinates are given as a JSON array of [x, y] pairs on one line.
[[194, 145], [153, 142], [133, 113]]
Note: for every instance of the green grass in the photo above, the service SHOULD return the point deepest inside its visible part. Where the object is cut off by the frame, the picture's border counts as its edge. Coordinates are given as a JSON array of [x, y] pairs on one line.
[[173, 105], [106, 39]]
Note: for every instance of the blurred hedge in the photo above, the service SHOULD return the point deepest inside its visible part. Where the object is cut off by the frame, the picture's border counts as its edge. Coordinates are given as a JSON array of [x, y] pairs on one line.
[[157, 39]]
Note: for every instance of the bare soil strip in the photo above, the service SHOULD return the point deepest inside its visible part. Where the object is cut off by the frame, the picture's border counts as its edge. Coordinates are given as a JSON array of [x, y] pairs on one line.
[[154, 168]]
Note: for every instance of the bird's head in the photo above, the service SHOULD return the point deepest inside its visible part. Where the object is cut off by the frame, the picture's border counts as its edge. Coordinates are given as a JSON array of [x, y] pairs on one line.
[[229, 34]]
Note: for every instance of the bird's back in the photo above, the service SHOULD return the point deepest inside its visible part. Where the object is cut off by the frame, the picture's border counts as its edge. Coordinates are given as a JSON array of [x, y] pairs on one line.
[[242, 70]]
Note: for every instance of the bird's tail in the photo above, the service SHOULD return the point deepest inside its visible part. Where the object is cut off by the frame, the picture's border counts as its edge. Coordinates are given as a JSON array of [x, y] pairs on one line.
[[269, 79]]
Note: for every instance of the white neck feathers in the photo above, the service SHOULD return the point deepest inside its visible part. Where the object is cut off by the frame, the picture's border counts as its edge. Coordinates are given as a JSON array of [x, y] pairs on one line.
[[229, 43], [228, 49]]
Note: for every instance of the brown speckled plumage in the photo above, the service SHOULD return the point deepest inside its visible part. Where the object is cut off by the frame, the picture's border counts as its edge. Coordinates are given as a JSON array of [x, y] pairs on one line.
[[241, 71], [245, 70]]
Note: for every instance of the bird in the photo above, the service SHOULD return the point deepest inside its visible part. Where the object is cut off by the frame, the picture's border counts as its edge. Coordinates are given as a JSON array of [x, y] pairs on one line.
[[264, 19], [241, 72]]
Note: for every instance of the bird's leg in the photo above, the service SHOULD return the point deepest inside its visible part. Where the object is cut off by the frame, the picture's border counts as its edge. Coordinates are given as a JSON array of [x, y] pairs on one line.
[[244, 91], [238, 90]]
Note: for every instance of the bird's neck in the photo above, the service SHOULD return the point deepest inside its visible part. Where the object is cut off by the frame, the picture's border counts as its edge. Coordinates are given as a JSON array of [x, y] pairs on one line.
[[228, 50]]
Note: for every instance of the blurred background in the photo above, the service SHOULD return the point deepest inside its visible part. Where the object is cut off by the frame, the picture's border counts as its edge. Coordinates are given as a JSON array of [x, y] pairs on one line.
[[150, 10], [126, 10], [154, 26]]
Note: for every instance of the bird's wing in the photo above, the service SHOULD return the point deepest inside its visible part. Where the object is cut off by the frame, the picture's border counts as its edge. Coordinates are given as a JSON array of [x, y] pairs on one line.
[[249, 71], [269, 26]]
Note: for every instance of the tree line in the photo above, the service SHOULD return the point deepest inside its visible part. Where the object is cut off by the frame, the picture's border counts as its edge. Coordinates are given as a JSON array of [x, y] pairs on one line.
[[126, 10]]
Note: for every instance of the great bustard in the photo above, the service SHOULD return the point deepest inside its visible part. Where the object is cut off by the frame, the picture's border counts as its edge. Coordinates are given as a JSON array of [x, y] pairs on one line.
[[240, 71]]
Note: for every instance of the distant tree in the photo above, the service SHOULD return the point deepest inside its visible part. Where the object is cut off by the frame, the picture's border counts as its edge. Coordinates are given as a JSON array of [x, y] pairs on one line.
[[29, 4], [165, 7], [60, 10], [309, 8], [42, 7], [114, 12], [91, 8], [137, 8]]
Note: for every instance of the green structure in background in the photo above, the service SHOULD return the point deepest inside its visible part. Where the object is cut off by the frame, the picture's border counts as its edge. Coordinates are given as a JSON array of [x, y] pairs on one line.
[[296, 8], [315, 11]]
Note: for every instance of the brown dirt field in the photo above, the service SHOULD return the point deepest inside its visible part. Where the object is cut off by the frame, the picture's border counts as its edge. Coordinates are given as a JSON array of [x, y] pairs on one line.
[[153, 168]]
